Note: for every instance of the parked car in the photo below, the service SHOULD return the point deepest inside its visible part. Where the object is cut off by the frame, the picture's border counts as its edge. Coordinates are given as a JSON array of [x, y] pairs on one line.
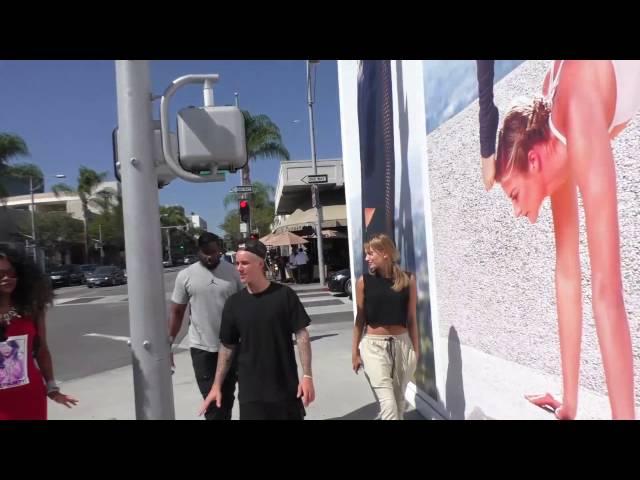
[[103, 276], [340, 281], [66, 275], [166, 263], [230, 257], [87, 269], [189, 259]]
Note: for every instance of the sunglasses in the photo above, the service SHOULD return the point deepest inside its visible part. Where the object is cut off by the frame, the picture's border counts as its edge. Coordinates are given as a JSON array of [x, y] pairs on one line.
[[8, 274]]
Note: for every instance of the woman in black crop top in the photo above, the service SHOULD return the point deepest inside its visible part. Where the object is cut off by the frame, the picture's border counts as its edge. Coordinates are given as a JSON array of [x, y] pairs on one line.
[[386, 300]]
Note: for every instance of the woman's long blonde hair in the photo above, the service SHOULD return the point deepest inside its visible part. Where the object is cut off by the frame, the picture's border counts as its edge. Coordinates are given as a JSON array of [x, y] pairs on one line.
[[382, 244]]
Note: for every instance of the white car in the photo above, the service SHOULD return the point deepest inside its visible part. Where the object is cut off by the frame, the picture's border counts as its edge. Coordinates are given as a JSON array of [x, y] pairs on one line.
[[189, 259]]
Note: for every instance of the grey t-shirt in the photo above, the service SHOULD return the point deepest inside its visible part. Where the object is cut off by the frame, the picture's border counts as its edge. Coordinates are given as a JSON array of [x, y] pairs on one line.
[[206, 292]]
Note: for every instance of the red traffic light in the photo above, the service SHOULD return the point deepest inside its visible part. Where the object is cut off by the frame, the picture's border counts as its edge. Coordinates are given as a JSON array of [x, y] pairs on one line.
[[244, 211]]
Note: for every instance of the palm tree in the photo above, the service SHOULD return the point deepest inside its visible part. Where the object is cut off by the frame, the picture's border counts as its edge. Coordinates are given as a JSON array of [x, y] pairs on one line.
[[20, 171], [263, 140], [172, 215], [10, 146], [106, 201], [88, 181]]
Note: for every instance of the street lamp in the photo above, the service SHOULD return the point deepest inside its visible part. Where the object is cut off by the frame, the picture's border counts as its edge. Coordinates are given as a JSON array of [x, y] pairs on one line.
[[32, 190], [98, 242], [315, 194]]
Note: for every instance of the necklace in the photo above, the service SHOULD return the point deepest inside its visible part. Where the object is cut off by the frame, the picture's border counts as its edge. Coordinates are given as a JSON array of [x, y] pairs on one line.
[[5, 318]]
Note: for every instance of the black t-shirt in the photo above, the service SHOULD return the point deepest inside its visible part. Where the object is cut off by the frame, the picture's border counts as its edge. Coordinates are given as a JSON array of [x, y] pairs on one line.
[[262, 325], [383, 305]]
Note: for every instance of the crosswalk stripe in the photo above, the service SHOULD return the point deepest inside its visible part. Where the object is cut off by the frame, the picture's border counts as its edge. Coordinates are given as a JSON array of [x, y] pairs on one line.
[[308, 299]]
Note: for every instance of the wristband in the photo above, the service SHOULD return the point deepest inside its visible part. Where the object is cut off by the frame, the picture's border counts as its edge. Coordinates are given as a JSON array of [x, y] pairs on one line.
[[52, 386], [307, 376]]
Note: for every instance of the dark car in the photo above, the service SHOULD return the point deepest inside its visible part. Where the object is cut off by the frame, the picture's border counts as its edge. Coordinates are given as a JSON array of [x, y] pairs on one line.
[[340, 281], [65, 275], [88, 269], [104, 276]]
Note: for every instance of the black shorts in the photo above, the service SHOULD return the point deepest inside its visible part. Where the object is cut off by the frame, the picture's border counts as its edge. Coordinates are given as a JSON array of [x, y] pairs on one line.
[[289, 410]]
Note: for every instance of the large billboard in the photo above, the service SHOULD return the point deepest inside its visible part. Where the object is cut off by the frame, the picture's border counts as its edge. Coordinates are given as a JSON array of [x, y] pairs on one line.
[[527, 260], [537, 278], [384, 158]]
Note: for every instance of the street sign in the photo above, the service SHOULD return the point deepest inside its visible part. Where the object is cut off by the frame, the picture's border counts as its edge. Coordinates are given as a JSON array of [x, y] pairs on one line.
[[311, 179], [243, 227], [243, 189]]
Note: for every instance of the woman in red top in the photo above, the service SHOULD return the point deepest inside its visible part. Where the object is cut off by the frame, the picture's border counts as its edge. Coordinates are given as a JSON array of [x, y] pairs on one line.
[[25, 360]]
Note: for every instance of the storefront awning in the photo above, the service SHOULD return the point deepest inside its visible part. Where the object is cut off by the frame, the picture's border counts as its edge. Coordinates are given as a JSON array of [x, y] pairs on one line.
[[332, 216]]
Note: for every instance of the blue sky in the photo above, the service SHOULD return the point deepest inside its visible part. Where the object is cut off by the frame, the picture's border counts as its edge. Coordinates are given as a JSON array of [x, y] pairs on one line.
[[66, 111], [451, 85]]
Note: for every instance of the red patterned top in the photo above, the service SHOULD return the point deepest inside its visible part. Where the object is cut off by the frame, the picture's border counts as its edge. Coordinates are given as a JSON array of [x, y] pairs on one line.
[[22, 387]]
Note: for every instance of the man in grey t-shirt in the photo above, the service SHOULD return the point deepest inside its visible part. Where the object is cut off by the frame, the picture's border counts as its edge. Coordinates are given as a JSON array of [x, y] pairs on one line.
[[204, 287]]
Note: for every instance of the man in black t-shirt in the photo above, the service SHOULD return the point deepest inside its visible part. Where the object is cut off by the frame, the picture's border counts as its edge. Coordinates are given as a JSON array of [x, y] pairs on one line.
[[260, 322]]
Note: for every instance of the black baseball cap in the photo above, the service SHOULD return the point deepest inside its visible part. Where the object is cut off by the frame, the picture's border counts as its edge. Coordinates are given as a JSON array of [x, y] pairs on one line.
[[254, 246]]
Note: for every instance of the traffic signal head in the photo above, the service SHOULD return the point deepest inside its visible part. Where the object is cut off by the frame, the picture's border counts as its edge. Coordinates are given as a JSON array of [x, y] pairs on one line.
[[244, 211]]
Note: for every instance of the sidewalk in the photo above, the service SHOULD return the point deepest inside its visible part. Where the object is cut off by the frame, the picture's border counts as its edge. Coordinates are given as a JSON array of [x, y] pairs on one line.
[[340, 394]]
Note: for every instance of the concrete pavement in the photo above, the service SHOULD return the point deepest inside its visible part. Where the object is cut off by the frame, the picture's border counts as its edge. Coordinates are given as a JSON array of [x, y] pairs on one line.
[[340, 394]]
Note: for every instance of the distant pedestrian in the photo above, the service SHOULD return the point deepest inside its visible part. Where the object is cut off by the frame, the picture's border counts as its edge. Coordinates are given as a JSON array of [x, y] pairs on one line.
[[282, 265], [302, 259], [294, 266]]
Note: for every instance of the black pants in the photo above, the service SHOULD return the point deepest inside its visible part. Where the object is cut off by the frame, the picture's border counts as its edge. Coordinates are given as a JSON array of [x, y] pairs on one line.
[[290, 410], [204, 366], [310, 272], [302, 273]]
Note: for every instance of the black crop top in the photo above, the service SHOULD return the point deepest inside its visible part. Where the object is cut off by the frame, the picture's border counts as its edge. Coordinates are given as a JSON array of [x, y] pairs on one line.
[[384, 306]]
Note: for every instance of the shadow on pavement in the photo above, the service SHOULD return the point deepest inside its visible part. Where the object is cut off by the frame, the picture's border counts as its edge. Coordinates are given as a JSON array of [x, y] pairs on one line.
[[318, 337], [369, 412]]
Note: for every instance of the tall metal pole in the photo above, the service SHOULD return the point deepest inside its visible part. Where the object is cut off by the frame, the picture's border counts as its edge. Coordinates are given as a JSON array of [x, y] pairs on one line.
[[101, 248], [315, 194], [169, 246], [33, 222], [243, 196], [153, 389]]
